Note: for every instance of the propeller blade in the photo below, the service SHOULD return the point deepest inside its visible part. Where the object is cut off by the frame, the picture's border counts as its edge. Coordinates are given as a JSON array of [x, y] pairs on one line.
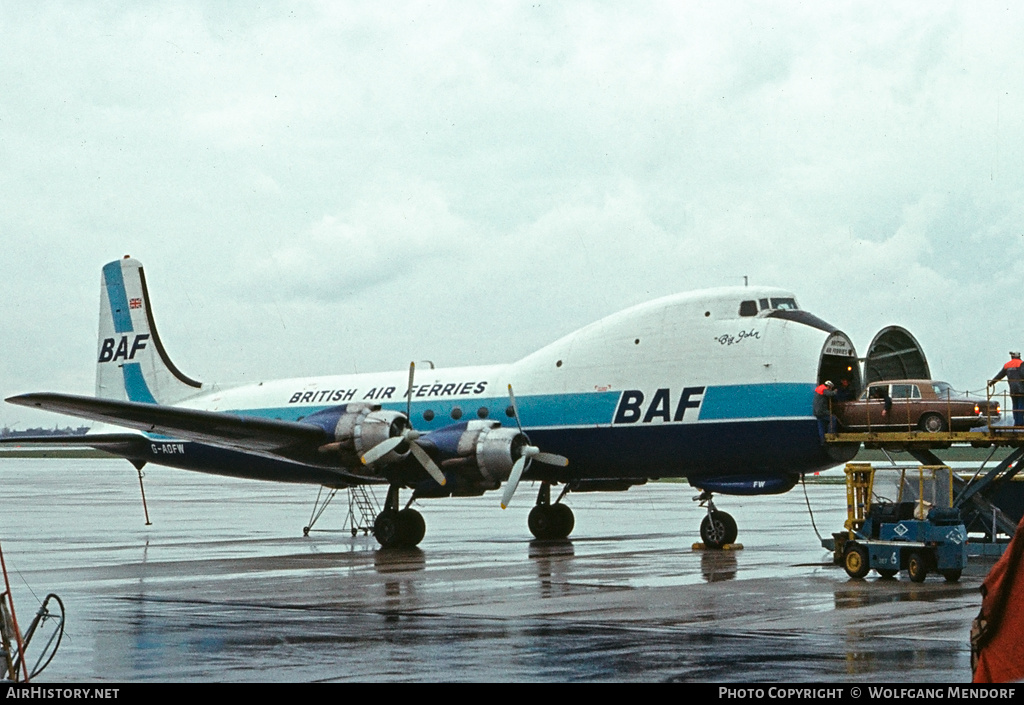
[[515, 409], [381, 449], [513, 481], [552, 459], [408, 394], [429, 465]]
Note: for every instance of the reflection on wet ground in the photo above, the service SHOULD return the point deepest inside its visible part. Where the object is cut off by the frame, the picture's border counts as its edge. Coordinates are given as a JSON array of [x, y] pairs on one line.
[[224, 587]]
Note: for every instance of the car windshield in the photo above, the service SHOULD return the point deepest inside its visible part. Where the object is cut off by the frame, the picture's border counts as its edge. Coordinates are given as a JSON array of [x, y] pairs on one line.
[[942, 389]]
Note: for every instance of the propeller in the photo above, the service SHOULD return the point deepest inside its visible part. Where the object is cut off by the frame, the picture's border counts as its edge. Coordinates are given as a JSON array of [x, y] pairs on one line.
[[526, 454], [407, 434]]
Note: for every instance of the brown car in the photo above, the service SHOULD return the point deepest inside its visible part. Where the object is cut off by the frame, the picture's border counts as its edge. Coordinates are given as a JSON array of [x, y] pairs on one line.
[[914, 405]]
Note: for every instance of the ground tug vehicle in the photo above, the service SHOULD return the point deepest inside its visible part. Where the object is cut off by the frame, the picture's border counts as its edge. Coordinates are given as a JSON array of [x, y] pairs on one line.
[[913, 526]]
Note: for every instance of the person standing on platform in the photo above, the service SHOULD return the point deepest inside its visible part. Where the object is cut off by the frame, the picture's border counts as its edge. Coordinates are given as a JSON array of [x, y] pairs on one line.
[[823, 396], [1014, 374]]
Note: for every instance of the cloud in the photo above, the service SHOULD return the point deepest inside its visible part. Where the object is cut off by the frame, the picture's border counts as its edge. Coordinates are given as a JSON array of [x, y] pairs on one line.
[[324, 187]]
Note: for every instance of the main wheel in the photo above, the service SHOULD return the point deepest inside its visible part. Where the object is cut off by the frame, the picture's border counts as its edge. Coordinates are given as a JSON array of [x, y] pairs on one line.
[[549, 522], [386, 528], [718, 529], [564, 519], [917, 567], [411, 527], [933, 423], [855, 560]]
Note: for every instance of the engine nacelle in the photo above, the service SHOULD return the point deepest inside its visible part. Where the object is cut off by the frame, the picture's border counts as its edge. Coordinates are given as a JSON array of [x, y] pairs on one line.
[[493, 448], [357, 428]]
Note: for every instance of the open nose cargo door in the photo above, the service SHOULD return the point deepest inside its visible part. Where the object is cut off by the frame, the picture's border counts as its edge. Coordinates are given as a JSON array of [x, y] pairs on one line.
[[895, 354]]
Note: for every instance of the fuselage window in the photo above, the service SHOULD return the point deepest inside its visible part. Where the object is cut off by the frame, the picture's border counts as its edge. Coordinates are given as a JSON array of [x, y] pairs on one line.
[[748, 308]]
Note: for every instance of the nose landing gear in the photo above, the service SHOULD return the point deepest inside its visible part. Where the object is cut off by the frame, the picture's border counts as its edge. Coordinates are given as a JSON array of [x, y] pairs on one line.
[[718, 528]]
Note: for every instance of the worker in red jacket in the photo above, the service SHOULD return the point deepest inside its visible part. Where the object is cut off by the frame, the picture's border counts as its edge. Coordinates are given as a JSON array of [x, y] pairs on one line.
[[824, 394], [1014, 374]]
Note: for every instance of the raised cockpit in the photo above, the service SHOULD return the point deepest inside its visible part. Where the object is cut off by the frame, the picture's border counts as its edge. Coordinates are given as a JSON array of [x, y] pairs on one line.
[[753, 307]]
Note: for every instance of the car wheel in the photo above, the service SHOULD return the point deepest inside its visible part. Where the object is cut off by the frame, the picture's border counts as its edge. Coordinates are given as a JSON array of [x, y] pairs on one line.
[[855, 561], [932, 423], [917, 567], [952, 575]]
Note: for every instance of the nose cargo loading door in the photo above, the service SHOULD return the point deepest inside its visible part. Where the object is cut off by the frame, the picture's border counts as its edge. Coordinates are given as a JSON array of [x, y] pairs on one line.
[[895, 354], [839, 363]]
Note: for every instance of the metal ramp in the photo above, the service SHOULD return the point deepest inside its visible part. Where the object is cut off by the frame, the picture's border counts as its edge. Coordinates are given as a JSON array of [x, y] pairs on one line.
[[979, 513]]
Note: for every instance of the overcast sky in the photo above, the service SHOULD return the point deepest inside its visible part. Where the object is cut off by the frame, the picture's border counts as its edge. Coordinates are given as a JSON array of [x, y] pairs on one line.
[[342, 186]]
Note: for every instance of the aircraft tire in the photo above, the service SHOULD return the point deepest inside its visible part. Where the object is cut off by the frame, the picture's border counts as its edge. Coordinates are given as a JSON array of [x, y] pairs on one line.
[[411, 527], [564, 519], [952, 575], [404, 529], [386, 528], [887, 572], [718, 529], [855, 561], [551, 522]]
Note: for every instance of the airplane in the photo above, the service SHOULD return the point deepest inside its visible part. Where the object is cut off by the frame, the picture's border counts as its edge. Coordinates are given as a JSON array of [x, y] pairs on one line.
[[714, 386]]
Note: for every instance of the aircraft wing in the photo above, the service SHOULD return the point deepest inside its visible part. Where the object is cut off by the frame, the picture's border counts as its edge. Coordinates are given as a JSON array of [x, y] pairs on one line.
[[245, 433]]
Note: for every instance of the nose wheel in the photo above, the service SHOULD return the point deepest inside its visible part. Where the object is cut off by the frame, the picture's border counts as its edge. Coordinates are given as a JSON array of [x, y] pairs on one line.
[[718, 528]]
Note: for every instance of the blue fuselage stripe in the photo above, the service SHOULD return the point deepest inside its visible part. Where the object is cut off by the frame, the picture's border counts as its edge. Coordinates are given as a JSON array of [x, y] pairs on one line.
[[756, 401], [740, 403]]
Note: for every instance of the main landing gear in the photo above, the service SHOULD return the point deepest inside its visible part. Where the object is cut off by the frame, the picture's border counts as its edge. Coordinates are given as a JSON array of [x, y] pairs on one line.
[[550, 522], [717, 528], [394, 528]]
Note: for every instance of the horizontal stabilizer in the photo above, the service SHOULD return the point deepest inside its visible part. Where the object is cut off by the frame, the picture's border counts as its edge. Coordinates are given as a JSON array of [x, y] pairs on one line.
[[246, 433]]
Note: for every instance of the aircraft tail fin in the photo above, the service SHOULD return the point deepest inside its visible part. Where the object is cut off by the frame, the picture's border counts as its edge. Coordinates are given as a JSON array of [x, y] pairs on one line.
[[132, 364]]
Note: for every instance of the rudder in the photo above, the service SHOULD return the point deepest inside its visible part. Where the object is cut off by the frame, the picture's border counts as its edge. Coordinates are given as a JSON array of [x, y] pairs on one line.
[[132, 364]]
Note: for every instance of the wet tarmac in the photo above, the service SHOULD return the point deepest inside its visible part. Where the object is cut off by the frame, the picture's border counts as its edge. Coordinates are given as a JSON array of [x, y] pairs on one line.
[[223, 586]]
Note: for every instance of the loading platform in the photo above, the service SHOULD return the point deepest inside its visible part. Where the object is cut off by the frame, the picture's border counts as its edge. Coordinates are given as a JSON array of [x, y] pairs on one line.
[[999, 437], [990, 503]]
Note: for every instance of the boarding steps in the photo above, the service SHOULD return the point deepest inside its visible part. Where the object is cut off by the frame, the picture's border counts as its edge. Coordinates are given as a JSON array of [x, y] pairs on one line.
[[363, 509]]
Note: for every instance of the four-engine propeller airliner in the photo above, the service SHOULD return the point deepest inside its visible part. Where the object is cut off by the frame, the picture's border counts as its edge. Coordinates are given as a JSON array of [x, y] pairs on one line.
[[715, 386]]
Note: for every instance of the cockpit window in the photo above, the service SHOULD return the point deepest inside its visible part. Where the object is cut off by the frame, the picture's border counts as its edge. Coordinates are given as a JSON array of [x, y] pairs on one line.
[[763, 303], [784, 304], [748, 308]]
